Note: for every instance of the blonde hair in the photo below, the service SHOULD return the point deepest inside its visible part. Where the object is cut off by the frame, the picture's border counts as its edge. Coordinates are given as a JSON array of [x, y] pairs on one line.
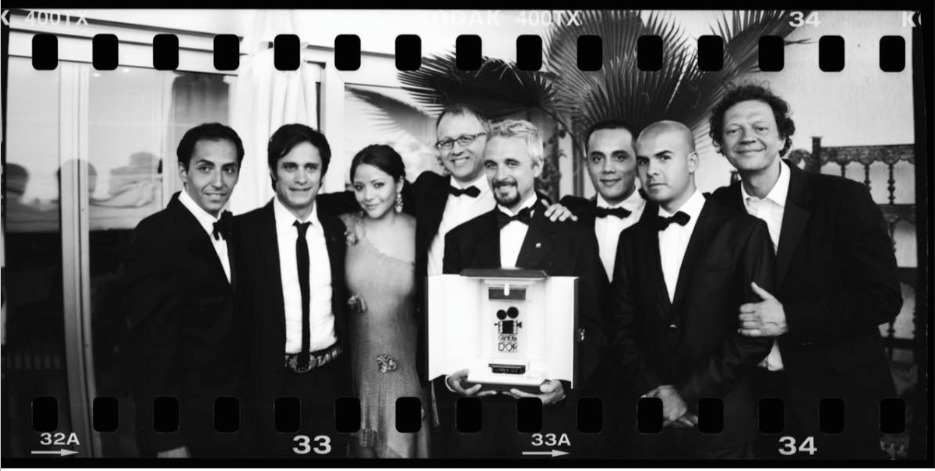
[[524, 129]]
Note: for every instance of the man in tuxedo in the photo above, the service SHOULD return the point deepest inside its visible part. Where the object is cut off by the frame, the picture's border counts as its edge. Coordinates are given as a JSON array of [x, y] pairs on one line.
[[441, 203], [678, 282], [517, 234], [293, 300], [179, 293], [836, 281], [611, 164]]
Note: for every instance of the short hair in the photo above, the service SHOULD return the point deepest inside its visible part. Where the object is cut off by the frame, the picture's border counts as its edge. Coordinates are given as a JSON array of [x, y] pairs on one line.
[[523, 129], [382, 157], [290, 135], [207, 132], [461, 109], [610, 124], [748, 92]]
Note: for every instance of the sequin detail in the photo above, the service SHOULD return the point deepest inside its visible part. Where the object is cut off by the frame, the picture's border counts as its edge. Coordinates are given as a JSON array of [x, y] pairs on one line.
[[368, 437], [386, 363]]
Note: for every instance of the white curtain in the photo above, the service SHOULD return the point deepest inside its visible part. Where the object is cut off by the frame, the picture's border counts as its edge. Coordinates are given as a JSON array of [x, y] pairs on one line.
[[263, 99]]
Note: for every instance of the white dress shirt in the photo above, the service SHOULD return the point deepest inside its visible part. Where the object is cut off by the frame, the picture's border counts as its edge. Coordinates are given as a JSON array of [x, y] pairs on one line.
[[458, 210], [608, 229], [771, 209], [207, 223], [673, 240], [513, 234], [321, 319]]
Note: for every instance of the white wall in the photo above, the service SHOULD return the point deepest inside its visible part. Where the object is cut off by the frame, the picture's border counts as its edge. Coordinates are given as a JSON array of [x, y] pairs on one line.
[[861, 105]]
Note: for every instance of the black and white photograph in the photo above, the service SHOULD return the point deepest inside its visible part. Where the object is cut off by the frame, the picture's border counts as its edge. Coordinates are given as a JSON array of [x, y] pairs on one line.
[[464, 237]]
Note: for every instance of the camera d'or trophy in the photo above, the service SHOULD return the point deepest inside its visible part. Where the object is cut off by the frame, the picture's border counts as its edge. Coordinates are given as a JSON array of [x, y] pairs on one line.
[[510, 328]]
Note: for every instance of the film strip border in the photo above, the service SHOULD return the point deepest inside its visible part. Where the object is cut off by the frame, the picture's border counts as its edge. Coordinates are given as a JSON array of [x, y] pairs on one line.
[[347, 415], [468, 51]]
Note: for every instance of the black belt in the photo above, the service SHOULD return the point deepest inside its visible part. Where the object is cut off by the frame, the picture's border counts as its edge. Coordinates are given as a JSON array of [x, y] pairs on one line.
[[316, 359]]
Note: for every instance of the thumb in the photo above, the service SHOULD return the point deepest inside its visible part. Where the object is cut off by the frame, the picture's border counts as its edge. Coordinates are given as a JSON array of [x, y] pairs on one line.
[[762, 293], [548, 386]]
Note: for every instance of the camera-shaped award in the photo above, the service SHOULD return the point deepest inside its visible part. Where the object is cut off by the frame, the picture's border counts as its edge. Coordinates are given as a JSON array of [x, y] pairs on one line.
[[511, 328]]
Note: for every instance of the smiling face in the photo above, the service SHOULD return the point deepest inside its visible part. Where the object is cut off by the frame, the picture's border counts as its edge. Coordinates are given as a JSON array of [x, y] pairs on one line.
[[751, 139], [511, 171], [375, 190], [666, 164], [464, 162], [211, 174], [612, 164], [297, 179]]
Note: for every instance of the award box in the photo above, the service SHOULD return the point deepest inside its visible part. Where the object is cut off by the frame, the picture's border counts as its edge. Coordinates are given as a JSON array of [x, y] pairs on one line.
[[510, 328]]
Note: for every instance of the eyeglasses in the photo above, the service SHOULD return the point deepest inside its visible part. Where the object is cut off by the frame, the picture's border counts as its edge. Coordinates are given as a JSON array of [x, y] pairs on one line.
[[463, 141]]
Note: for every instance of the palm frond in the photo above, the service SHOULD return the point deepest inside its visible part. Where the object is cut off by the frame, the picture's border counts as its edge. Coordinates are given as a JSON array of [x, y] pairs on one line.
[[619, 90], [679, 91], [393, 114], [498, 88], [741, 33]]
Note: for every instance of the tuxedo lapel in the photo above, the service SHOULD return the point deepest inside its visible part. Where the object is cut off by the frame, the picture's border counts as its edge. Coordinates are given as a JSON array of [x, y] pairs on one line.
[[650, 211], [488, 241], [432, 209], [794, 220], [651, 251], [269, 245], [696, 243], [537, 244], [199, 240]]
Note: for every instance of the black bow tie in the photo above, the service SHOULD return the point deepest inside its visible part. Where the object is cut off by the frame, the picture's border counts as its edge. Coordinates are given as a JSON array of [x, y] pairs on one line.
[[223, 226], [524, 216], [615, 212], [679, 218], [471, 191]]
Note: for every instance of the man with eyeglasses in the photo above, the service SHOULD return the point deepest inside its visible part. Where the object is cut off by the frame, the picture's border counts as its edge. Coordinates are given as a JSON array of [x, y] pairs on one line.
[[441, 203]]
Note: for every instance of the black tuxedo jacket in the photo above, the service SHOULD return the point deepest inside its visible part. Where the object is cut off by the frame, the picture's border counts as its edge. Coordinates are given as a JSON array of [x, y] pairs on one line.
[[692, 342], [183, 337], [837, 279], [260, 304], [559, 249]]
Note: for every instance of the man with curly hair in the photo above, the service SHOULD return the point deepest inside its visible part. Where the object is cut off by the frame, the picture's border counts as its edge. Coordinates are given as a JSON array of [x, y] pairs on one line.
[[836, 282]]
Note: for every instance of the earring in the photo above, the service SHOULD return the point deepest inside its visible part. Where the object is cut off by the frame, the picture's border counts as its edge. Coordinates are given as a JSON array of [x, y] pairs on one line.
[[399, 202]]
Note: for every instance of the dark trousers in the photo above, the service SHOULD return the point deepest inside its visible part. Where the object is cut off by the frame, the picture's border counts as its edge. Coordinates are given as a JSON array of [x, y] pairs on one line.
[[317, 390], [676, 443]]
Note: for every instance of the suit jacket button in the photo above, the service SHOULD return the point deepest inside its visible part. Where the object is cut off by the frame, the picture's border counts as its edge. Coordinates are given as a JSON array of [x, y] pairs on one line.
[[673, 327]]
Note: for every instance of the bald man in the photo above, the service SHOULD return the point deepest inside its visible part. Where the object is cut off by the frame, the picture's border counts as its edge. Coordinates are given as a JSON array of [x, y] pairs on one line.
[[679, 279]]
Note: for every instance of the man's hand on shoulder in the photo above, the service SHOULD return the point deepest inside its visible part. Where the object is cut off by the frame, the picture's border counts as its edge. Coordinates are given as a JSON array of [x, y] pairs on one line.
[[557, 212]]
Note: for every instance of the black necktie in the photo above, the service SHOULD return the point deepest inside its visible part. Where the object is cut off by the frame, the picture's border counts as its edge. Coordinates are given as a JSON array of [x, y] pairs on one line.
[[223, 226], [679, 218], [301, 255], [471, 191], [615, 212], [524, 216]]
